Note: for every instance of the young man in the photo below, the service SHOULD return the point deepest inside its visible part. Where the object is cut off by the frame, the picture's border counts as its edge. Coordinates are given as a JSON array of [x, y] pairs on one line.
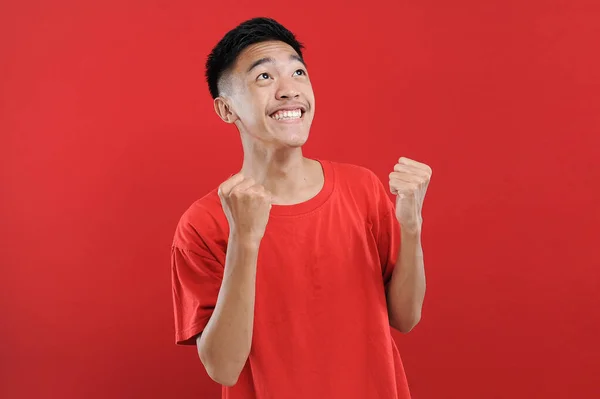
[[288, 276]]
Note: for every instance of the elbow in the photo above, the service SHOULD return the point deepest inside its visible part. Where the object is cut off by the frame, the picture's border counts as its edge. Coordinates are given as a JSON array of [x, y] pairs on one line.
[[407, 323], [222, 371], [222, 376]]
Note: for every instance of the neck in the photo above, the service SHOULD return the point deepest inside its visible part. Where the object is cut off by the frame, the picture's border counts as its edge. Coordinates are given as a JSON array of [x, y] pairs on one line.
[[284, 172]]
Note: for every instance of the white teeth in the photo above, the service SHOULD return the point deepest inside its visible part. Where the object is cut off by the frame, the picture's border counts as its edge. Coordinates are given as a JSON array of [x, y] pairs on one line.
[[294, 114]]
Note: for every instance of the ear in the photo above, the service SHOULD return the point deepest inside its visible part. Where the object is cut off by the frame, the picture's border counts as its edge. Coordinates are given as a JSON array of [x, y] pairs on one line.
[[224, 110]]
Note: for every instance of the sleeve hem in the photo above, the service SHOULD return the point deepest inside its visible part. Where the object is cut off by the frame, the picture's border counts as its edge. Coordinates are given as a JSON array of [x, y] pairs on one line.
[[188, 335]]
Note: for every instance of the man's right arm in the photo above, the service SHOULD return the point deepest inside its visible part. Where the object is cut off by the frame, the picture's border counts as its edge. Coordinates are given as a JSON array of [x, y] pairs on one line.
[[225, 343]]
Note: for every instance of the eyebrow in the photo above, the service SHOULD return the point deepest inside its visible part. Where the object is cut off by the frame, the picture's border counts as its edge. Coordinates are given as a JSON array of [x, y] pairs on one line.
[[271, 60]]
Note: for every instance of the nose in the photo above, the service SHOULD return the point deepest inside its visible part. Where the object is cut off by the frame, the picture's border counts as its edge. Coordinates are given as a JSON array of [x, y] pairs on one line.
[[287, 90]]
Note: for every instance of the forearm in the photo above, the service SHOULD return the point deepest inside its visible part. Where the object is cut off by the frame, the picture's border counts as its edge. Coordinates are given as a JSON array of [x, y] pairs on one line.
[[224, 345], [406, 290]]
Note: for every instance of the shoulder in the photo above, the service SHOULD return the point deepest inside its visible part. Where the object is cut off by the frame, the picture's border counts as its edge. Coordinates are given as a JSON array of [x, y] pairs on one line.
[[355, 176], [202, 224], [350, 169], [359, 187]]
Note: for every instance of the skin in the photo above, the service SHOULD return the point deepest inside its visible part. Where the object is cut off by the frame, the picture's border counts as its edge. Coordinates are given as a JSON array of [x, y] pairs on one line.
[[406, 291], [272, 149], [274, 171]]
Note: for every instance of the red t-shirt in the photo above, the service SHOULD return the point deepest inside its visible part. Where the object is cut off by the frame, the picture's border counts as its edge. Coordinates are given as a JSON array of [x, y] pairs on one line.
[[321, 327]]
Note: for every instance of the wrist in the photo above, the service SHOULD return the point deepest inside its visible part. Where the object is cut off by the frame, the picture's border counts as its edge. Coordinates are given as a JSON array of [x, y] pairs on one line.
[[410, 234], [246, 242]]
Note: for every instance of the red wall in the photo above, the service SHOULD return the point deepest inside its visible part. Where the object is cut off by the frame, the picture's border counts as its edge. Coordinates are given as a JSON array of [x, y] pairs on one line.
[[108, 134]]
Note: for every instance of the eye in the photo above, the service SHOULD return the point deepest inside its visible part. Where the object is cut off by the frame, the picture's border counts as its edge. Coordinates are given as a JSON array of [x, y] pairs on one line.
[[263, 76], [300, 72]]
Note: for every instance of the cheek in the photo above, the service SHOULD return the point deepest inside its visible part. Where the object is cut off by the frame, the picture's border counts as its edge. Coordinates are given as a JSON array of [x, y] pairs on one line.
[[246, 111], [310, 95], [255, 109]]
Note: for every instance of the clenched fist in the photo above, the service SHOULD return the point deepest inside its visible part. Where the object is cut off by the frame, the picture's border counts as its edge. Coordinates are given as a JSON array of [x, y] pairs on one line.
[[246, 205], [409, 182]]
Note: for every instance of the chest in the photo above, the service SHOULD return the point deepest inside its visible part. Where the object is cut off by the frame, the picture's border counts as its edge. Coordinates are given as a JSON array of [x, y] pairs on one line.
[[321, 261]]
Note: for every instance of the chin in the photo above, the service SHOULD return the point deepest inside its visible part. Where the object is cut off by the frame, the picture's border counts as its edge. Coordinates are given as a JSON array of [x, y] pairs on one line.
[[289, 137], [296, 140]]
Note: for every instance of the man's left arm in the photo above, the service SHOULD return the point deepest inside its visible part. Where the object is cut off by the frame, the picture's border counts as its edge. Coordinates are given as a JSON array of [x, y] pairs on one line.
[[406, 290]]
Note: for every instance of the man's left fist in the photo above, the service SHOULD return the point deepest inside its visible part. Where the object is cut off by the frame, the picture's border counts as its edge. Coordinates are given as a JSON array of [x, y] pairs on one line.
[[409, 182]]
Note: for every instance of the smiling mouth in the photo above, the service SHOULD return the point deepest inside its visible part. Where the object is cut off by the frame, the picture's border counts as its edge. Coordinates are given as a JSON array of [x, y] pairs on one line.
[[290, 114]]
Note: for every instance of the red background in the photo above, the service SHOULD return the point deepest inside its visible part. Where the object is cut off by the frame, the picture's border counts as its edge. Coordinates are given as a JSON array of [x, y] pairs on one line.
[[108, 134]]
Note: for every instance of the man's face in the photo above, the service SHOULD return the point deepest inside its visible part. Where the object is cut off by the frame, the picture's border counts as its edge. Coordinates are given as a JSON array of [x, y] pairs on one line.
[[270, 96]]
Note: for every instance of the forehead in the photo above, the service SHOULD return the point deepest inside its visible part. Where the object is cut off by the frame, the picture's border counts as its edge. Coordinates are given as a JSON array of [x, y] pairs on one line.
[[278, 51]]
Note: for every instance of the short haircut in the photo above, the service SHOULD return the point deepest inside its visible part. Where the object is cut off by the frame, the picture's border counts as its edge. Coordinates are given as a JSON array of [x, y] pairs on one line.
[[225, 53]]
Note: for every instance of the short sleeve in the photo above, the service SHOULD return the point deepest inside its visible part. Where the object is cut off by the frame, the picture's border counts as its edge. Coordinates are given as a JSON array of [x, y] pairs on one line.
[[196, 281], [386, 229]]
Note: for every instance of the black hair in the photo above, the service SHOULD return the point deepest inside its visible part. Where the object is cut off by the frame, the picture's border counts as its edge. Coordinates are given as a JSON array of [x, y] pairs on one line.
[[252, 31]]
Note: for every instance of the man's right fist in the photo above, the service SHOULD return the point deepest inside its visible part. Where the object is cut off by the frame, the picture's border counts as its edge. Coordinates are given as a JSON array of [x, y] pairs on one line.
[[246, 205]]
